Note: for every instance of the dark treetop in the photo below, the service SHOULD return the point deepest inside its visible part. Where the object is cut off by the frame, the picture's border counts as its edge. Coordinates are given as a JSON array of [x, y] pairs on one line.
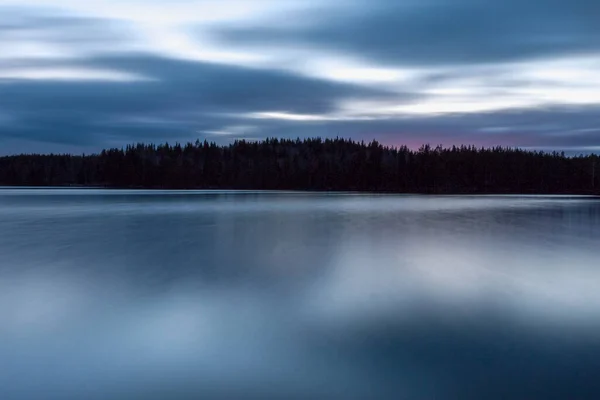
[[312, 164]]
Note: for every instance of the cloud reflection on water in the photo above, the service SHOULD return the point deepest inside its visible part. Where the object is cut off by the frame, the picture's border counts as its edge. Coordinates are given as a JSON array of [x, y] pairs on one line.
[[279, 295]]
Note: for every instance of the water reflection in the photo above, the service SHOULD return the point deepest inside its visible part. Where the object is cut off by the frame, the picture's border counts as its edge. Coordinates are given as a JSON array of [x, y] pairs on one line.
[[135, 294]]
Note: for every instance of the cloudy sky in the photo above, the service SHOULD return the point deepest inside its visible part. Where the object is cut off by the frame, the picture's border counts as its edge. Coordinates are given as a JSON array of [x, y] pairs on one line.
[[82, 75]]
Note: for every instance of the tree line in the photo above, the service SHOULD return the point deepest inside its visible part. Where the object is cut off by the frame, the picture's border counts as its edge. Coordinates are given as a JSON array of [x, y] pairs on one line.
[[311, 164]]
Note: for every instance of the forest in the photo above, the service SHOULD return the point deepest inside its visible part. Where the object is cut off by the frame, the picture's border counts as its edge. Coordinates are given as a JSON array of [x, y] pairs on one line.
[[312, 164]]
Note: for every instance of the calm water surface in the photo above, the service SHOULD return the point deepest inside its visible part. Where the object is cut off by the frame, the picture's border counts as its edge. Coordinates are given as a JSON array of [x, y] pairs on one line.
[[188, 295]]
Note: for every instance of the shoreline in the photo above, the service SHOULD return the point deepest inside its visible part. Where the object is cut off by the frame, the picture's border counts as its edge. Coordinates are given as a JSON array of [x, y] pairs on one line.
[[301, 191]]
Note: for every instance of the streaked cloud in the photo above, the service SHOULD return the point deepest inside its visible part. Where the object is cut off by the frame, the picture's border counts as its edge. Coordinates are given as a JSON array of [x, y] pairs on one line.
[[108, 72], [69, 74]]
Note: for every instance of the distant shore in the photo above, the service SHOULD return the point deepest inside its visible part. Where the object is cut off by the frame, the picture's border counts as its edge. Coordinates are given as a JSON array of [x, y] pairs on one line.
[[330, 165]]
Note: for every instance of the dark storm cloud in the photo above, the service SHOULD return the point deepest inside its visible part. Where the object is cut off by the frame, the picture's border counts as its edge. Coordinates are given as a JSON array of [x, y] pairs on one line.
[[218, 87], [190, 94], [447, 32]]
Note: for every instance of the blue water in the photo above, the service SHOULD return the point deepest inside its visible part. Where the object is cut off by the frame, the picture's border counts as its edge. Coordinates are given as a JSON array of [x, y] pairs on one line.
[[187, 295]]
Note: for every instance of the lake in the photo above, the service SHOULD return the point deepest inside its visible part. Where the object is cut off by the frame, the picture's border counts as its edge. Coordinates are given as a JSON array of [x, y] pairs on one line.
[[108, 294]]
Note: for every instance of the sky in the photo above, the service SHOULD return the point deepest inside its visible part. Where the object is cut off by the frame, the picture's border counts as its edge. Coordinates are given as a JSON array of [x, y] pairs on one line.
[[79, 76]]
